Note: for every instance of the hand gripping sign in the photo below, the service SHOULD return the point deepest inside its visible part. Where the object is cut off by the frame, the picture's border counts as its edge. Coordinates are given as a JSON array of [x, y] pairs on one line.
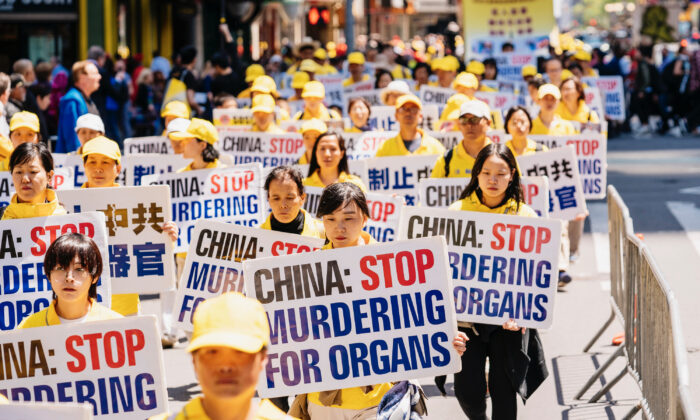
[[502, 266], [24, 288], [399, 175], [226, 194], [33, 411], [140, 253], [355, 316], [150, 144], [115, 366], [214, 261], [271, 150]]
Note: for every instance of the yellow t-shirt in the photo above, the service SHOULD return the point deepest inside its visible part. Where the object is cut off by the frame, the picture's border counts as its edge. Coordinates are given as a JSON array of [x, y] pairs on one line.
[[313, 228], [6, 149], [244, 94], [323, 114], [352, 401], [531, 148], [558, 127], [395, 146], [461, 163], [17, 210], [347, 82], [315, 180], [210, 165], [272, 128], [401, 72], [49, 316], [472, 203], [194, 410], [583, 113]]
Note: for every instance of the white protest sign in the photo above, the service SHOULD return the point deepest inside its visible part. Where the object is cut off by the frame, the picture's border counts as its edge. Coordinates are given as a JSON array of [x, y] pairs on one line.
[[510, 65], [384, 211], [449, 139], [536, 193], [42, 410], [612, 90], [116, 366], [591, 150], [266, 148], [365, 145], [226, 194], [140, 253], [383, 118], [565, 188], [62, 179], [25, 287], [399, 174], [502, 267], [214, 261], [431, 115], [435, 95], [74, 164], [356, 167], [358, 87], [231, 117], [7, 188], [594, 101], [334, 89], [150, 144], [355, 316], [138, 166], [497, 100]]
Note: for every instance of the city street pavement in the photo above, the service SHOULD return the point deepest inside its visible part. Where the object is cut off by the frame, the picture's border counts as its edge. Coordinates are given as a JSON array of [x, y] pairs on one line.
[[659, 179]]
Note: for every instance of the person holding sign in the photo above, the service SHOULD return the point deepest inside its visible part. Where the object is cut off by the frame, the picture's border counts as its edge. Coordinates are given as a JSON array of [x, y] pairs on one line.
[[264, 114], [178, 125], [329, 163], [359, 110], [198, 144], [24, 128], [573, 103], [229, 351], [73, 265], [474, 123], [478, 69], [450, 115], [410, 140], [87, 128], [547, 121], [356, 67], [313, 94], [31, 166], [310, 130], [299, 80], [515, 354], [251, 73], [173, 110], [446, 70]]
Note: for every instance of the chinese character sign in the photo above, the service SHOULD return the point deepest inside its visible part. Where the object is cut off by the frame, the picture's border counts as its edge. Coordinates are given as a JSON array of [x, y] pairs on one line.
[[138, 166], [399, 175]]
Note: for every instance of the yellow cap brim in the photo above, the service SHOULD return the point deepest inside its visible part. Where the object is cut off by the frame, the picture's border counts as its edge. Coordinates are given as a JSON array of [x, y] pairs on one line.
[[263, 109], [241, 342], [181, 135], [23, 125]]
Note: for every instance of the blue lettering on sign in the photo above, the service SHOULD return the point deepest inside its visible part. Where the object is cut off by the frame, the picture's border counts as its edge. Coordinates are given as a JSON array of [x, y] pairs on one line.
[[505, 304], [12, 313]]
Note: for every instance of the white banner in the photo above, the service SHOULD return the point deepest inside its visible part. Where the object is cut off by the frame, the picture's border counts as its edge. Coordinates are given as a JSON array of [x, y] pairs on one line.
[[502, 267], [149, 144], [138, 166], [267, 148], [498, 100], [232, 117], [612, 89], [510, 65], [365, 145], [34, 411], [435, 95], [399, 175], [358, 316], [334, 89]]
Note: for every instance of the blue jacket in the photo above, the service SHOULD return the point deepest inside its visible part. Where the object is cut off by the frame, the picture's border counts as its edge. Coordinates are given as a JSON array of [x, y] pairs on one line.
[[71, 106]]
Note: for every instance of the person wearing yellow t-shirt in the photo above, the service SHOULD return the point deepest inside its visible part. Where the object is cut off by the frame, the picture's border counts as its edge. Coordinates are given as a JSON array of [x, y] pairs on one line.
[[198, 144], [410, 140], [356, 67], [299, 79], [251, 73], [474, 123], [264, 115], [573, 103], [448, 120], [466, 84], [393, 91], [446, 70], [172, 110], [321, 58], [24, 128], [478, 69], [528, 72], [547, 121], [329, 163], [309, 67], [313, 94], [229, 351], [310, 130]]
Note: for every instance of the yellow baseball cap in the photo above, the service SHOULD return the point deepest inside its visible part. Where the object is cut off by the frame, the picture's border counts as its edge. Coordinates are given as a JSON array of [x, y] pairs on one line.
[[314, 125], [263, 103], [476, 67], [408, 99], [309, 65], [451, 111], [299, 79], [253, 71], [356, 58], [264, 84], [320, 54], [25, 119], [230, 320], [548, 89], [466, 80], [583, 55], [101, 145], [314, 89], [566, 74], [199, 129], [175, 109], [528, 70], [447, 63]]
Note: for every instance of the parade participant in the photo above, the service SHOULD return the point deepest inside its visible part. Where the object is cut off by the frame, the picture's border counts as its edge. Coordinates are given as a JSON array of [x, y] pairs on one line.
[[421, 75], [229, 351], [478, 69], [528, 72], [24, 128], [31, 166], [198, 144], [516, 356], [382, 78], [448, 120], [309, 67], [76, 102], [547, 121], [474, 123], [225, 101], [397, 70], [305, 51], [251, 73], [573, 103], [446, 70], [466, 84], [73, 265], [359, 111], [310, 130], [264, 115], [356, 67], [87, 128], [329, 163], [321, 58], [174, 109], [394, 90], [583, 58], [178, 125], [553, 68], [344, 211], [264, 85], [299, 79], [410, 139], [313, 94], [490, 69]]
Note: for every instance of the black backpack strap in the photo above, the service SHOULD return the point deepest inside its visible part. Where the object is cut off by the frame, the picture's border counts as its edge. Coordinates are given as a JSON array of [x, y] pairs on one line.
[[448, 158]]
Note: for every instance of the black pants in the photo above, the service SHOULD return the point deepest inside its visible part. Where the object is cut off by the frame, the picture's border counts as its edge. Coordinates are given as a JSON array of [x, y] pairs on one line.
[[470, 383]]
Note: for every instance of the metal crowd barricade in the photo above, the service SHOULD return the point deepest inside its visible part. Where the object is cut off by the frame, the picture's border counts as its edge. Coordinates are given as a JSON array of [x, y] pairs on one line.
[[642, 301]]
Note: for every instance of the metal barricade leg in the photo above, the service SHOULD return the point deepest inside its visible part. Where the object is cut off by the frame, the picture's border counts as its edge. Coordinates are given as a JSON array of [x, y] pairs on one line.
[[633, 411], [600, 331], [608, 386], [598, 373]]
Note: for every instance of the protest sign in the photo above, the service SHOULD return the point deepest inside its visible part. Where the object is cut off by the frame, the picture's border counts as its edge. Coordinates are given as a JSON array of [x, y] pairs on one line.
[[149, 144], [226, 194], [566, 199], [612, 90], [399, 174], [449, 139], [384, 211], [497, 100], [334, 89], [62, 179], [140, 253], [266, 148], [431, 115], [502, 267], [594, 101], [231, 117], [355, 316], [34, 411], [536, 193], [356, 167], [138, 166], [74, 163], [435, 95], [116, 366], [383, 118], [510, 65], [358, 87], [25, 289], [243, 102], [365, 145], [591, 150], [214, 261]]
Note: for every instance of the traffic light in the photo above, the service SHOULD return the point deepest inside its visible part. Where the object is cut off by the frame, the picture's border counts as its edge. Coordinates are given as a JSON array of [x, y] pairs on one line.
[[319, 16]]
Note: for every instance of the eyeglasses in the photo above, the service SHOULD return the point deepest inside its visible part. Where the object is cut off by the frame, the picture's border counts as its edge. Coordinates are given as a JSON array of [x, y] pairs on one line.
[[469, 120]]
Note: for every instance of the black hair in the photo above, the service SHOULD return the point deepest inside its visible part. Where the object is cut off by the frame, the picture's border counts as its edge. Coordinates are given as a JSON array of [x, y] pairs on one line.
[[536, 82], [222, 98], [507, 45], [357, 99], [492, 62], [188, 54], [40, 90], [575, 66], [26, 152], [339, 195], [512, 111], [514, 189], [421, 66], [63, 251], [342, 165], [281, 173], [209, 154], [552, 58], [219, 59], [378, 75]]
